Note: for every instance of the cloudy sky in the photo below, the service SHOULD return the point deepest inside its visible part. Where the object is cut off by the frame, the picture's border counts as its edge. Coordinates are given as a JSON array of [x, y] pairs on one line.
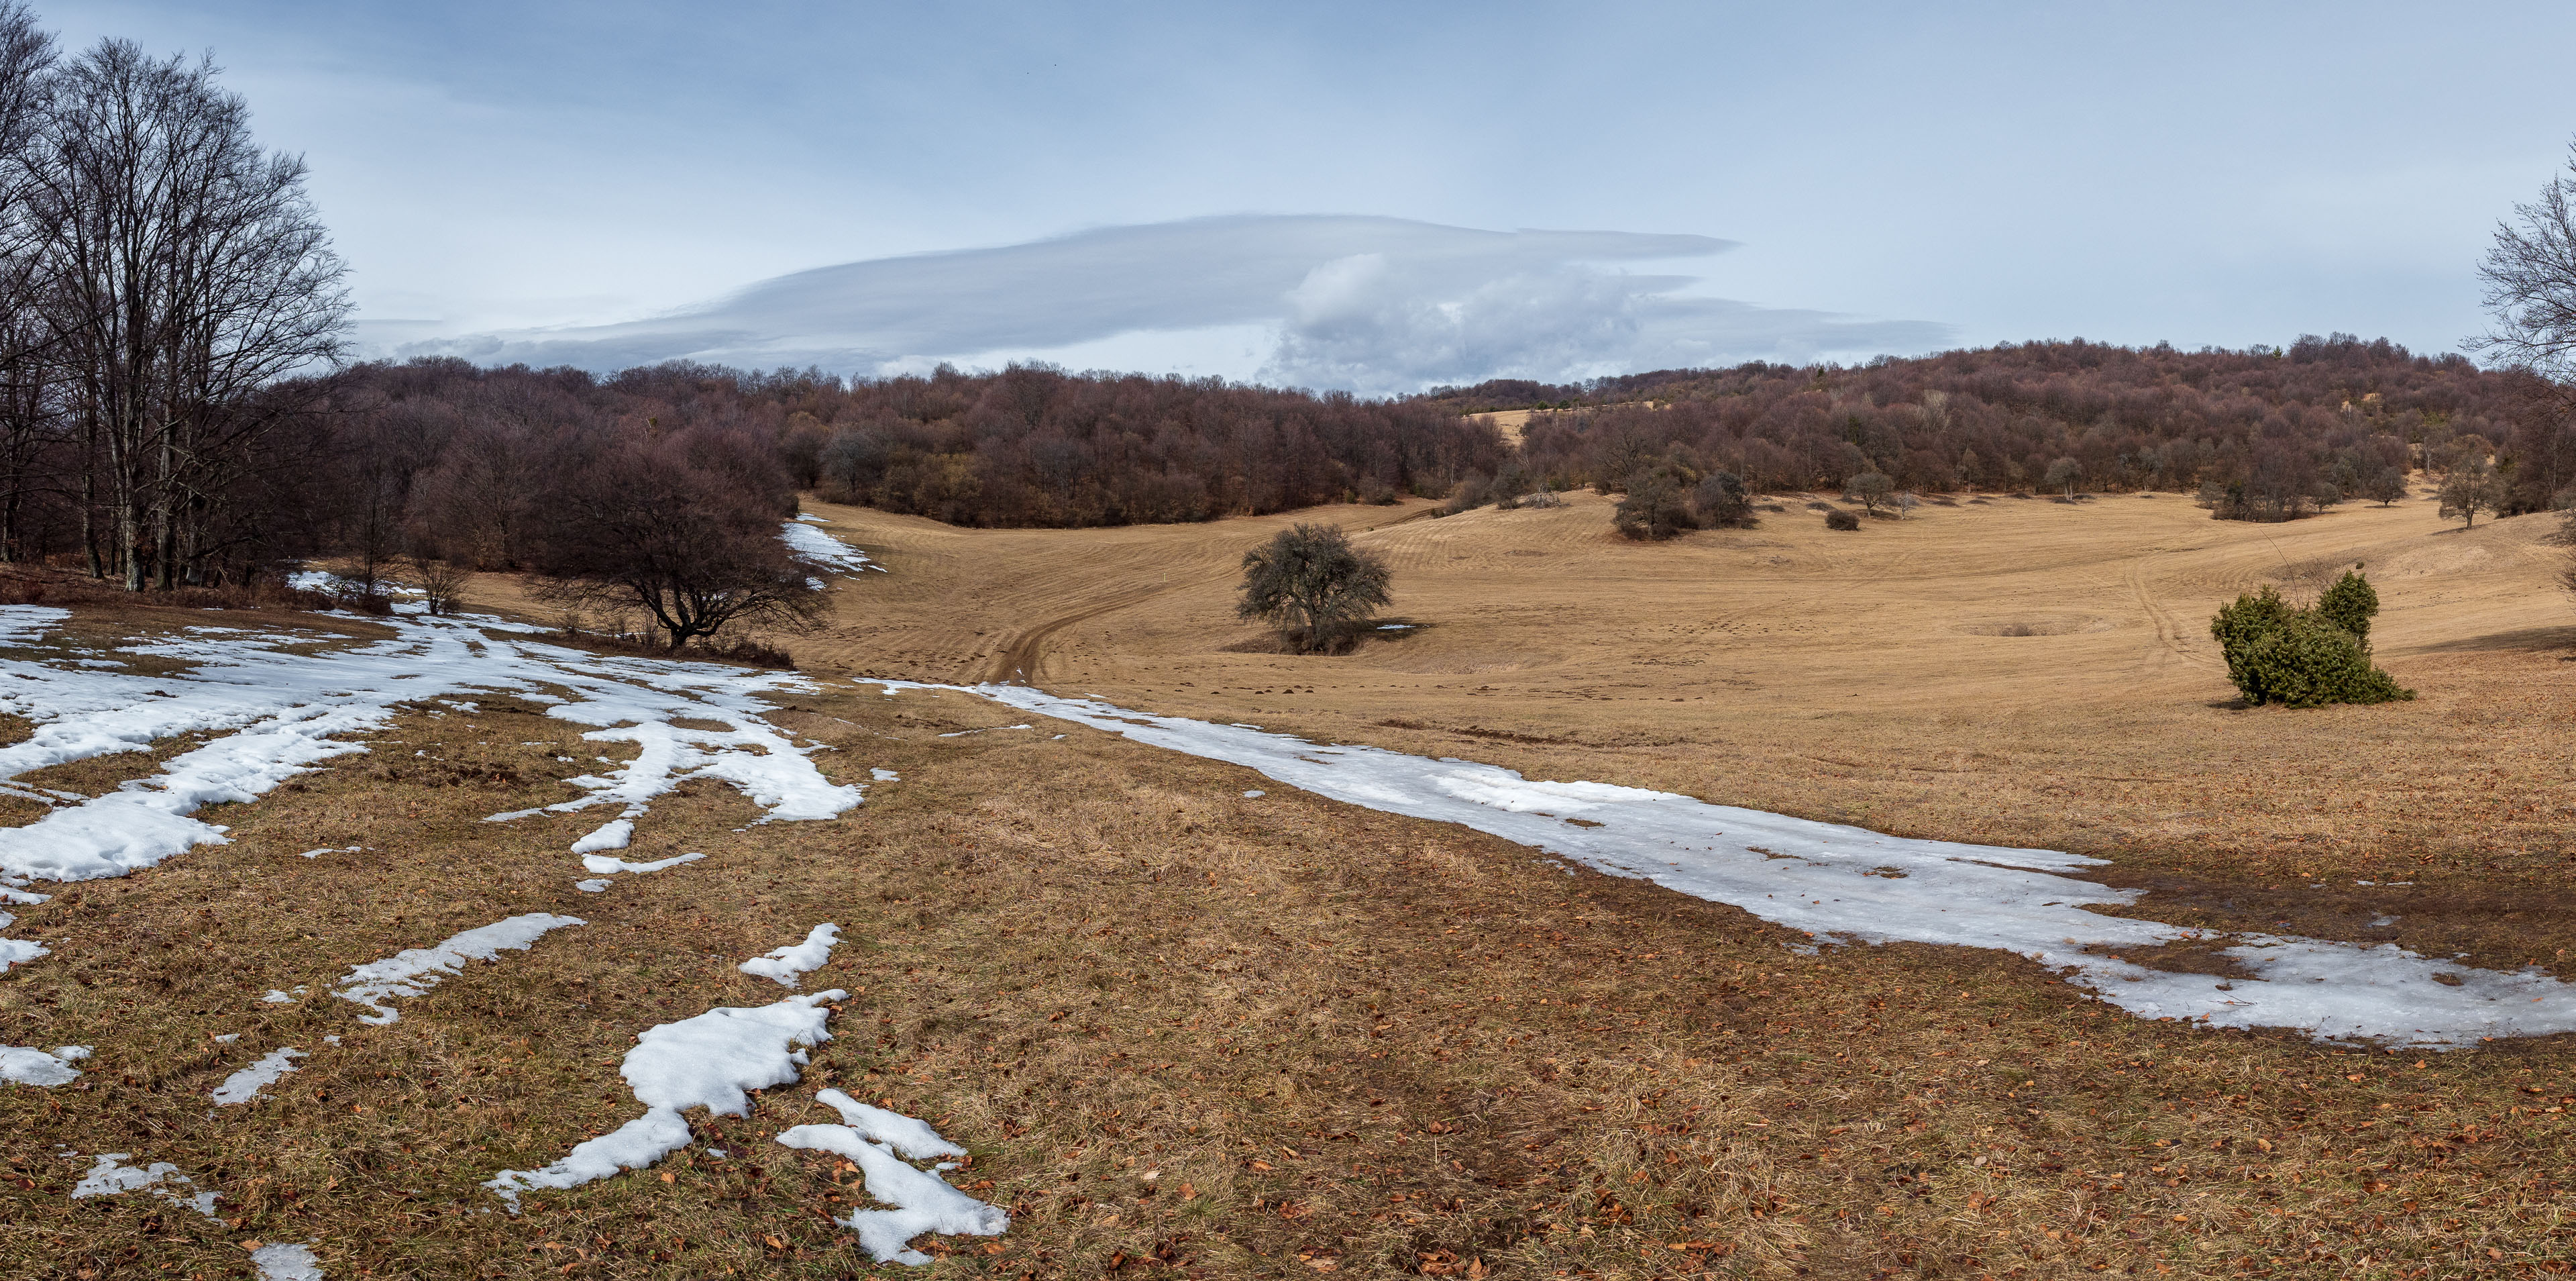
[[1385, 196]]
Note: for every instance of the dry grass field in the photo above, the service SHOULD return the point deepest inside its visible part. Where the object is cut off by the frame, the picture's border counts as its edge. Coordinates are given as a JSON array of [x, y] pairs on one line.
[[1190, 1032]]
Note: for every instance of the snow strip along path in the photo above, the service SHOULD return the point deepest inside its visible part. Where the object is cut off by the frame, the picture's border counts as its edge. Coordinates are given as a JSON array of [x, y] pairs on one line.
[[821, 550], [708, 1061], [1842, 884]]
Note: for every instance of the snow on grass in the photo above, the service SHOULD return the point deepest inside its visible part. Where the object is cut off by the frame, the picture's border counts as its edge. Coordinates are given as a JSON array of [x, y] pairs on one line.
[[275, 997], [592, 886], [708, 1061], [26, 1066], [110, 1177], [924, 1202], [281, 713], [414, 971], [790, 964], [245, 1085], [611, 835], [821, 550], [334, 849], [1840, 884], [883, 775], [605, 865], [286, 1261]]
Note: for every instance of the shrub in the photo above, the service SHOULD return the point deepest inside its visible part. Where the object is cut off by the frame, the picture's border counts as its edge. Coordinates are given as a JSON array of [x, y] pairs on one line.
[[1653, 508], [2280, 653], [1839, 519], [1312, 585], [2350, 604], [1719, 502]]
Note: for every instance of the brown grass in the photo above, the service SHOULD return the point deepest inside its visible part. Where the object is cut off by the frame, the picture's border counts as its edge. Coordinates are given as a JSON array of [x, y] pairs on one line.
[[1189, 1033]]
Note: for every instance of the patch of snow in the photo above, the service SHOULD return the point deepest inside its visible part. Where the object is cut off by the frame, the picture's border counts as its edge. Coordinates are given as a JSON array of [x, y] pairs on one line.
[[923, 1201], [282, 713], [275, 997], [611, 835], [24, 624], [592, 886], [112, 1178], [884, 775], [1254, 793], [286, 1262], [605, 865], [1395, 627], [245, 1085], [27, 1066], [414, 971], [227, 1038], [790, 964], [708, 1061], [334, 849], [1826, 881], [821, 550], [813, 520]]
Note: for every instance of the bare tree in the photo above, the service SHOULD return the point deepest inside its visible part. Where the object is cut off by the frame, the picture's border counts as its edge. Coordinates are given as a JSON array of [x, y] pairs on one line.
[[2472, 487], [2530, 279], [642, 525], [1313, 585], [187, 270]]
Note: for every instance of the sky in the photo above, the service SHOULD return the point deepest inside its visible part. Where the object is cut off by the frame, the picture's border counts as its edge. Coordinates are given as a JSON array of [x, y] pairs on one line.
[[1384, 197]]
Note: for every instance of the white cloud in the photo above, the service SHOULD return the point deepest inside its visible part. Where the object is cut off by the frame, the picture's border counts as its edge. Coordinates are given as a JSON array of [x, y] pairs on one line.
[[1369, 304]]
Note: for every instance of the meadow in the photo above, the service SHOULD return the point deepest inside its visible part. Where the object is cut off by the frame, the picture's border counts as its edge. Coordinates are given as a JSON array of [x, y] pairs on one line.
[[1188, 1021]]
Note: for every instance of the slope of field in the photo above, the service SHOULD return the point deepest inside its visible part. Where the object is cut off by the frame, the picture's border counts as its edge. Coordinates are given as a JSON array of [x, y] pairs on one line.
[[1182, 1023], [2007, 671]]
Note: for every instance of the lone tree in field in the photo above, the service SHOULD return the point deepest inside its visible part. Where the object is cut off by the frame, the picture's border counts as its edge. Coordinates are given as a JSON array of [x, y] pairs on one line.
[[2472, 487], [1870, 489], [1311, 584], [645, 524]]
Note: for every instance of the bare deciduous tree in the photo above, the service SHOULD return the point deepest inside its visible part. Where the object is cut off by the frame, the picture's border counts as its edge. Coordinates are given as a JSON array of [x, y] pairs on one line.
[[2530, 279], [186, 270]]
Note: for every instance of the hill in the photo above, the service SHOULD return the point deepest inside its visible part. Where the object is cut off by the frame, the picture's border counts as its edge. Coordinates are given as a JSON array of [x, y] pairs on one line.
[[2323, 412]]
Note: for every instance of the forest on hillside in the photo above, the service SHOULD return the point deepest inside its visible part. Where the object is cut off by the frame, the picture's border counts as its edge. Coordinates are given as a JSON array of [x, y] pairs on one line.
[[2312, 422]]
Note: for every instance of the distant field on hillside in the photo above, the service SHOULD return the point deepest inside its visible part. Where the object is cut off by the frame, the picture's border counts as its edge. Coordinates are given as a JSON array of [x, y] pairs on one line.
[[2015, 671]]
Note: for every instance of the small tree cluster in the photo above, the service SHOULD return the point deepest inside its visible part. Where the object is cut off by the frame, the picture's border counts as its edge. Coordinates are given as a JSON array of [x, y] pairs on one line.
[[1840, 519], [2305, 657], [1657, 506], [1313, 586]]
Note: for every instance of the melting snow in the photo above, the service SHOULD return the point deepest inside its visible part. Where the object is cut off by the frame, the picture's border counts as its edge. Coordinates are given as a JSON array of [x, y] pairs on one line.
[[245, 1085], [36, 1067], [414, 971], [605, 865], [923, 1201], [612, 835], [814, 547], [1848, 884], [883, 775], [286, 1262], [111, 1178], [707, 1061], [790, 964], [592, 886], [334, 849]]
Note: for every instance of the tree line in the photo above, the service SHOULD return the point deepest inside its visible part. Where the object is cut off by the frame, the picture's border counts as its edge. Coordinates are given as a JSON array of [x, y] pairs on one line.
[[2264, 433]]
